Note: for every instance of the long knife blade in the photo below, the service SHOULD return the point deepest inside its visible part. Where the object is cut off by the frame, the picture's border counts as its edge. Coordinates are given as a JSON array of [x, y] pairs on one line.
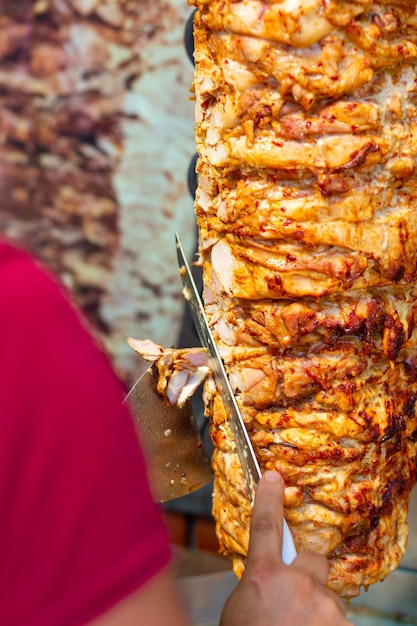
[[246, 453]]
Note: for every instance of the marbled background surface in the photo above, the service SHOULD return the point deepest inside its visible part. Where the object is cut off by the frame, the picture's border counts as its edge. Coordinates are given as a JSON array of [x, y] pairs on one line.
[[96, 135], [144, 294]]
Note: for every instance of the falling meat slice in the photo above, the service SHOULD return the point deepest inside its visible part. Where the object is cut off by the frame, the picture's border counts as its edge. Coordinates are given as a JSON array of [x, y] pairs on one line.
[[181, 371]]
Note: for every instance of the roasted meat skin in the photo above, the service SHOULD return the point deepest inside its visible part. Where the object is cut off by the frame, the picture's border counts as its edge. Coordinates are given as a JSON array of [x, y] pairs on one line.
[[307, 138]]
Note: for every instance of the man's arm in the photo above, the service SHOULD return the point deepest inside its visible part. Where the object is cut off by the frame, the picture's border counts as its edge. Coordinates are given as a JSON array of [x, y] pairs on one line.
[[270, 592], [157, 603]]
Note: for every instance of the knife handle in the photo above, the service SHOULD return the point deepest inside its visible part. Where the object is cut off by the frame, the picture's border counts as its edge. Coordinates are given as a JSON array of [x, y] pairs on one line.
[[288, 548]]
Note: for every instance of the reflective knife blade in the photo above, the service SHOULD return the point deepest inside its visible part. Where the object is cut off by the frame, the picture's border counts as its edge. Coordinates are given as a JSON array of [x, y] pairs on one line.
[[246, 453]]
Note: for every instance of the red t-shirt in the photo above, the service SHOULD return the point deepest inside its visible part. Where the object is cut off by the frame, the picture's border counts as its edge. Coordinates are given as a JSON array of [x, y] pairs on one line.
[[78, 528]]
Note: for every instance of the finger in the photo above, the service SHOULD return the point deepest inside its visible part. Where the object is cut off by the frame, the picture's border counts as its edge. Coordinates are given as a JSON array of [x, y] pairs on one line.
[[316, 564], [267, 519], [318, 567], [341, 605]]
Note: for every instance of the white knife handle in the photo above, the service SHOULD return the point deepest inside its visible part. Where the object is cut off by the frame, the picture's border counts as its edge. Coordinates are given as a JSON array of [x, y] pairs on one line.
[[288, 548]]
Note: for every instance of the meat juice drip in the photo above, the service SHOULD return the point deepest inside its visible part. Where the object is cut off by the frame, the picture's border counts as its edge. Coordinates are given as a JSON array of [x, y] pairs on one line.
[[306, 140]]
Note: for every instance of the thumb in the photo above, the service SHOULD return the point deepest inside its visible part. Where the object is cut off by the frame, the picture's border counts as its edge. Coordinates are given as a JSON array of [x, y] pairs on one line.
[[265, 542]]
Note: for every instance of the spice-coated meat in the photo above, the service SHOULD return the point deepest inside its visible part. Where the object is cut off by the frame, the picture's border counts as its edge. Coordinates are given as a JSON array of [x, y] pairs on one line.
[[307, 139]]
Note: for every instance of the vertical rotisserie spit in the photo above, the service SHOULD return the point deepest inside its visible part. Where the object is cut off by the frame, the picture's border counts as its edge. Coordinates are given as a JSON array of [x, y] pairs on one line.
[[306, 130]]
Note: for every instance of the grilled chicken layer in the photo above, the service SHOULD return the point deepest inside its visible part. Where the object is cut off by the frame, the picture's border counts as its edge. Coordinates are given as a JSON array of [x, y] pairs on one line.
[[306, 204]]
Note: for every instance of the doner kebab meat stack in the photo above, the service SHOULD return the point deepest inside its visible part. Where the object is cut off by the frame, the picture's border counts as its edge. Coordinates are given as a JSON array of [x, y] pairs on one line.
[[306, 130]]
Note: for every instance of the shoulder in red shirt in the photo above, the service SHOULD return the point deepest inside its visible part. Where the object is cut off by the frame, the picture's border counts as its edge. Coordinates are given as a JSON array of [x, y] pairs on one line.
[[78, 528]]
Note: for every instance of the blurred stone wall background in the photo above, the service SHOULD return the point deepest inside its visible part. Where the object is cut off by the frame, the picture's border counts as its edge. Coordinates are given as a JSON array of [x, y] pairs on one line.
[[96, 135]]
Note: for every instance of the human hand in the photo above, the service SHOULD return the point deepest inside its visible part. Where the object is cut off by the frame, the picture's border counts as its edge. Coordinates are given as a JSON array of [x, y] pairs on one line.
[[271, 593]]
